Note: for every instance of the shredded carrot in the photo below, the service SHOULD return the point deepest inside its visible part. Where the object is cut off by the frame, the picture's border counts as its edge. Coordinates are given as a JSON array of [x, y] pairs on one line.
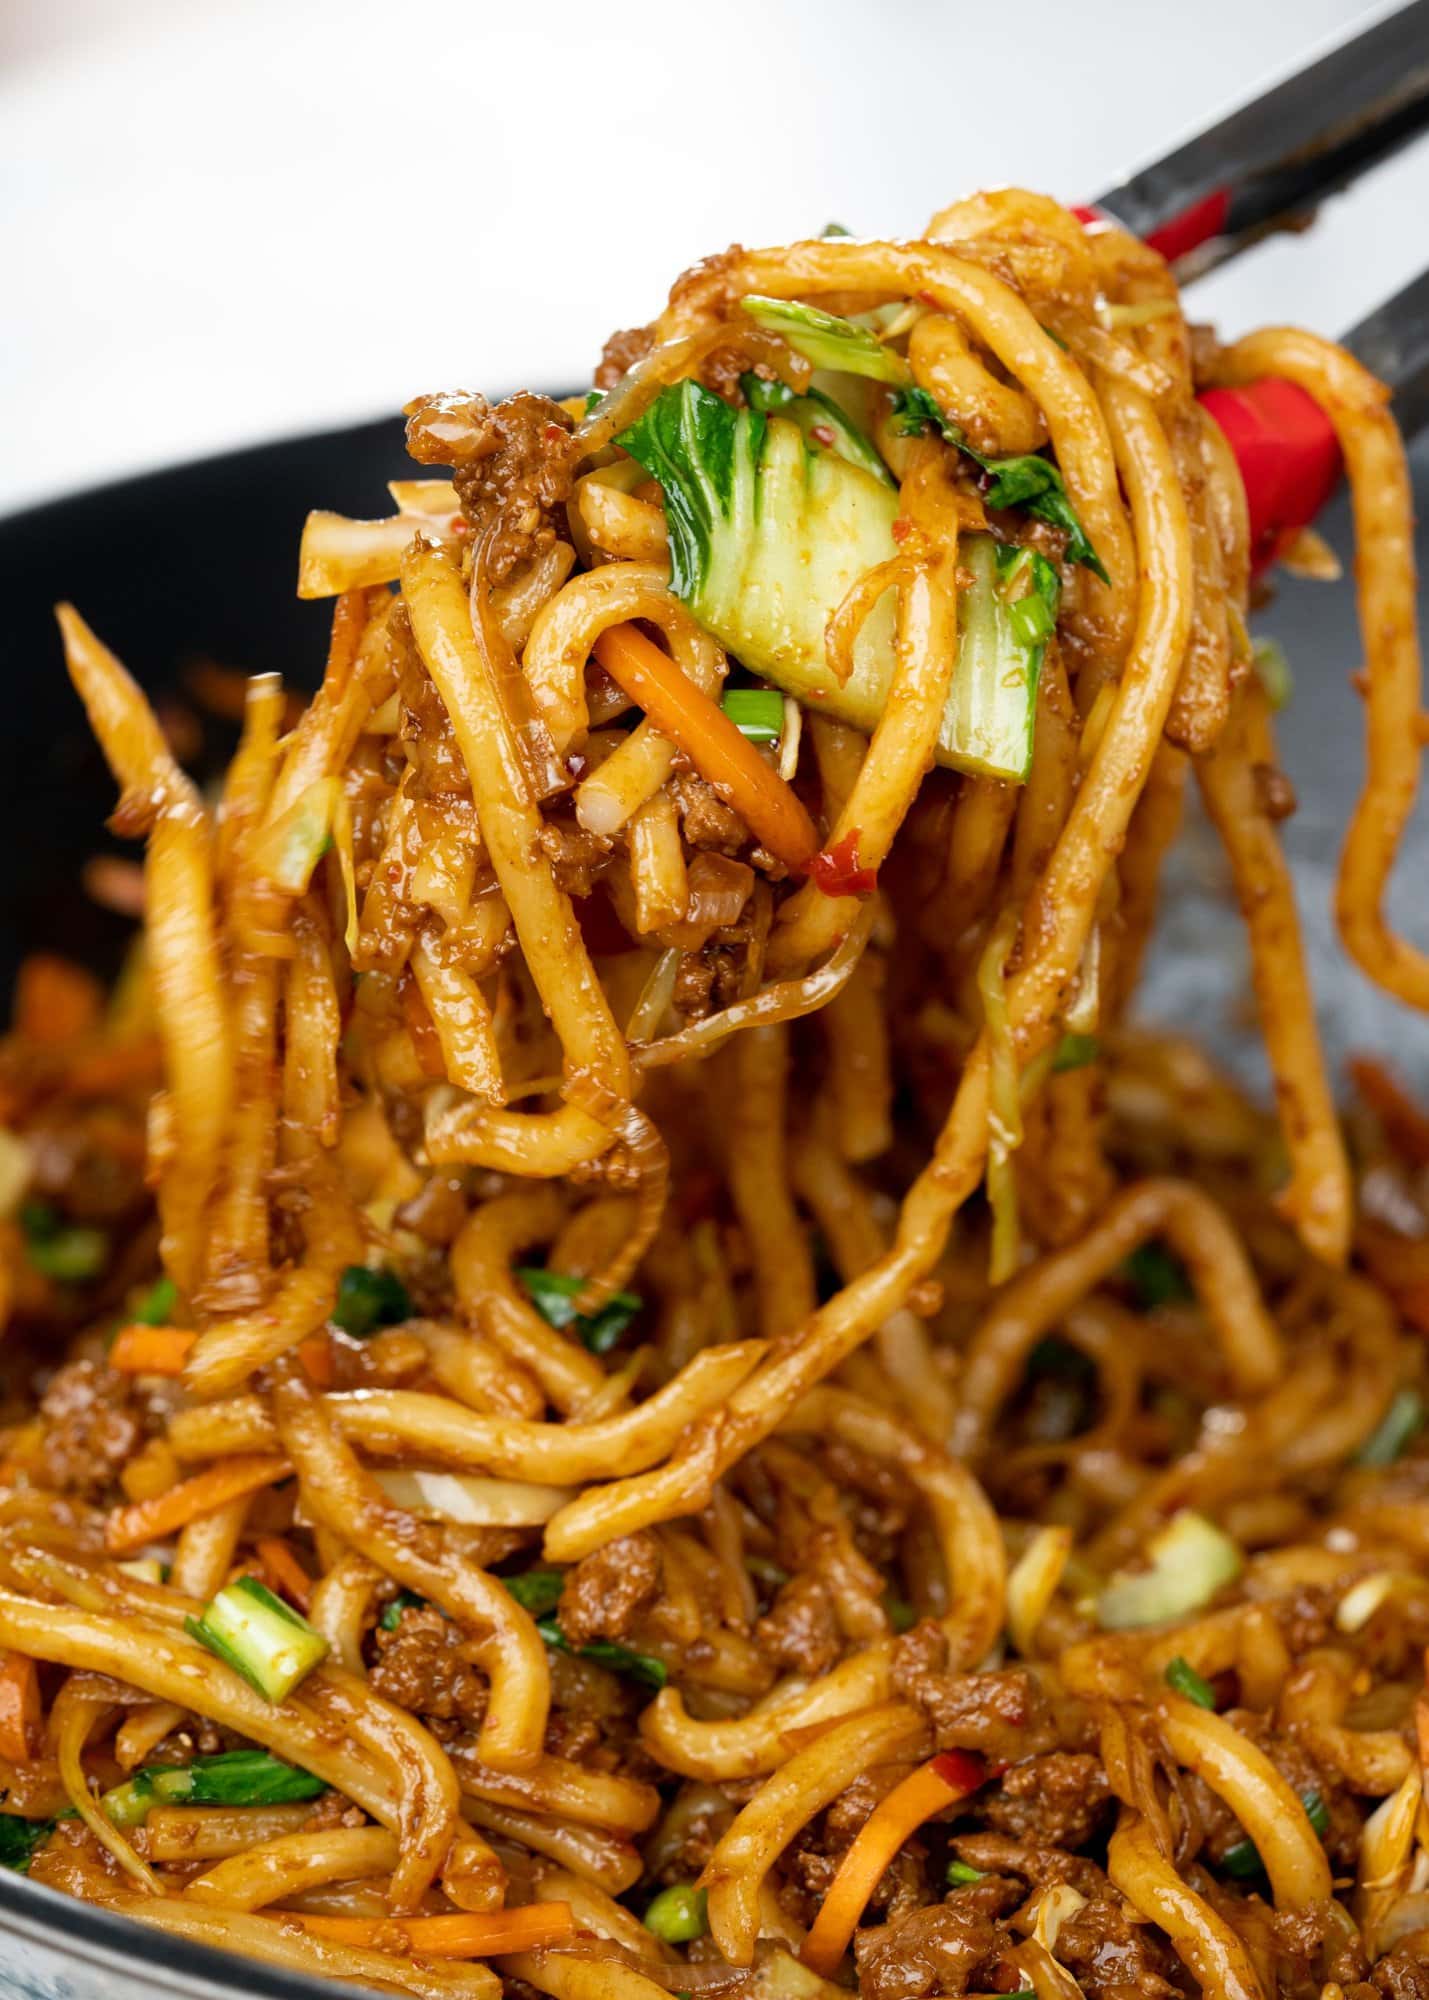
[[930, 1789], [150, 1520], [729, 761], [316, 1360], [285, 1570], [461, 1935], [151, 1350], [19, 1707], [1406, 1124], [54, 1000]]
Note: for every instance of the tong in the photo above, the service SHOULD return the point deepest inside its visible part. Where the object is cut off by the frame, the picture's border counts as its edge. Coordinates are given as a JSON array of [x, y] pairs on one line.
[[1267, 167]]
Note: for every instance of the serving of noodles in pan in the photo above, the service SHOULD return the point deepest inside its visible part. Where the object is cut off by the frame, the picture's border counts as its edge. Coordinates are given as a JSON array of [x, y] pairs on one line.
[[624, 1376]]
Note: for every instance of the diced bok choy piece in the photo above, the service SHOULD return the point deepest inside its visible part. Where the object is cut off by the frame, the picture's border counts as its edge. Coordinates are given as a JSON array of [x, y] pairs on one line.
[[828, 341], [767, 538], [1191, 1559]]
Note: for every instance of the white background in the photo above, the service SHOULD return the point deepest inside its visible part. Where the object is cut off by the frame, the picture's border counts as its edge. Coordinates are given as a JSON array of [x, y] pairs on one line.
[[220, 223]]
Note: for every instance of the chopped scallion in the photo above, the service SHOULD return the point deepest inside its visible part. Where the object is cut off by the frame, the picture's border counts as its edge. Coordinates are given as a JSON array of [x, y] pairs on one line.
[[157, 1305], [961, 1876], [1243, 1860], [1157, 1277], [757, 713], [367, 1300], [1181, 1677], [66, 1251], [1273, 670], [552, 1293], [902, 1615], [259, 1636], [1395, 1431], [537, 1590], [1075, 1052], [606, 1653], [405, 1600], [19, 1839]]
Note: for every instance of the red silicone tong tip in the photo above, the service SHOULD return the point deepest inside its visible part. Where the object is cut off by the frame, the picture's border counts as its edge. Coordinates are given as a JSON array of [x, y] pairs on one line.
[[1288, 455]]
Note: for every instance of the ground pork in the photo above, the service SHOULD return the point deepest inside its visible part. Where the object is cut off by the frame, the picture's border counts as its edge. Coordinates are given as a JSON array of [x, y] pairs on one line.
[[1112, 1956], [606, 1589], [512, 464], [1003, 1714], [91, 1426], [423, 1665], [800, 1630], [936, 1950], [621, 352], [1058, 1801]]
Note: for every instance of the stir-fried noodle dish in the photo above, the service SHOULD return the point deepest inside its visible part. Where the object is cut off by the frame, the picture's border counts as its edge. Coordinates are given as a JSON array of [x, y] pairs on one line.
[[624, 1376]]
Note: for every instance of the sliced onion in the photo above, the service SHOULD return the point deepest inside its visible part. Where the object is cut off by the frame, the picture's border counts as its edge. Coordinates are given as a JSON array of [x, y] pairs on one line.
[[471, 1500]]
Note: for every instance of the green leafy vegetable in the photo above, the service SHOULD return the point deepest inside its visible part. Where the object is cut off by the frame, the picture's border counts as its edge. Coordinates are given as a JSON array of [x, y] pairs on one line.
[[606, 1653], [1027, 480], [1395, 1431], [537, 1590], [259, 1636], [825, 425], [66, 1251], [961, 1876], [1157, 1277], [902, 1615], [232, 1778], [757, 713], [1075, 1052], [405, 1600], [19, 1839], [1004, 619], [1270, 663], [1181, 1677], [768, 538], [678, 1915], [827, 340], [552, 1293], [1244, 1860], [367, 1300], [1190, 1558], [157, 1305]]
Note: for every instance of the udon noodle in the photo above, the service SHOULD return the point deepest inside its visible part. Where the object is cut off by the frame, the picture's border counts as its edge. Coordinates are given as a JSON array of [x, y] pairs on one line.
[[625, 1375]]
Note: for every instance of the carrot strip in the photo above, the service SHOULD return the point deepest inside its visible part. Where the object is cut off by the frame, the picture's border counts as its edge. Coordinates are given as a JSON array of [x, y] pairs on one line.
[[315, 1357], [729, 761], [930, 1789], [460, 1935], [54, 1000], [19, 1707], [151, 1350], [150, 1520], [285, 1570]]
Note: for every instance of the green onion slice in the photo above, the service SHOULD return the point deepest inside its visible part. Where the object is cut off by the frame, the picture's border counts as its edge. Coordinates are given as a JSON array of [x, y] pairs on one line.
[[1182, 1678], [552, 1292], [259, 1636], [757, 713]]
